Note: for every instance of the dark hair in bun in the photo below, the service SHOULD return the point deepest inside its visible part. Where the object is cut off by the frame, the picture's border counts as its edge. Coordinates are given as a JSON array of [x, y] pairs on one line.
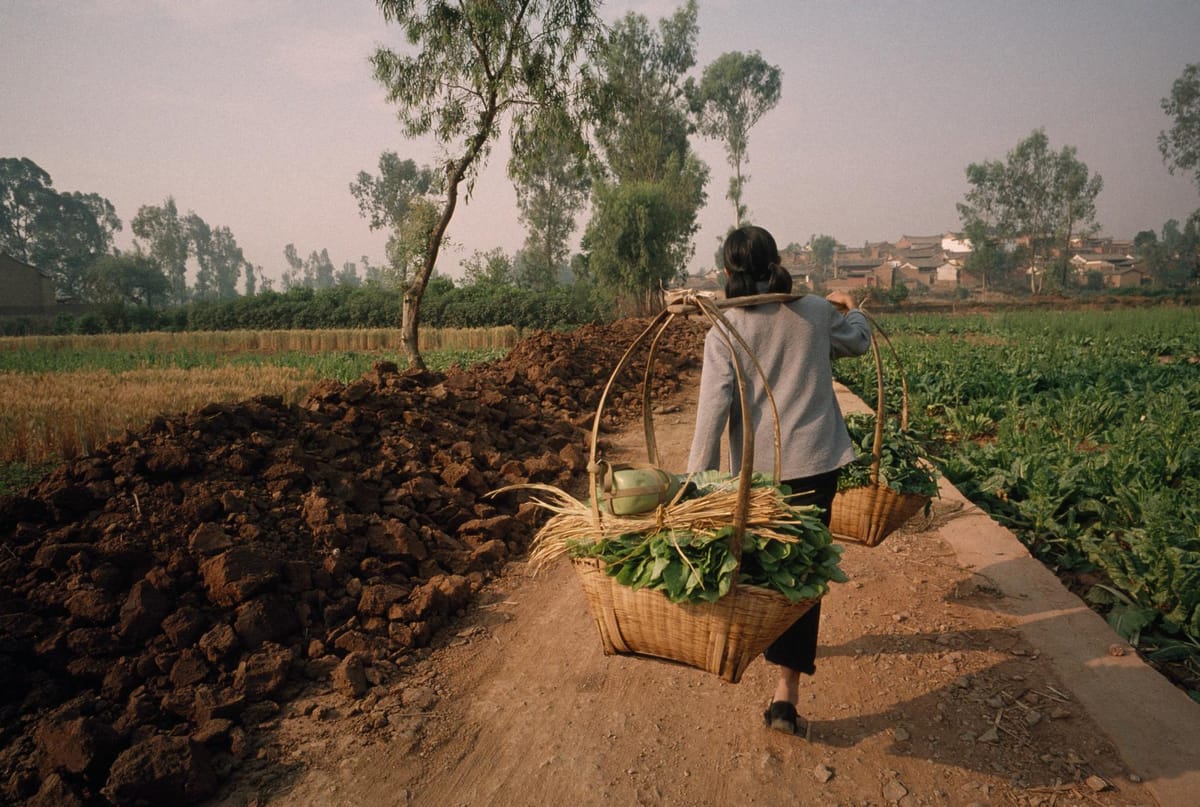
[[751, 258]]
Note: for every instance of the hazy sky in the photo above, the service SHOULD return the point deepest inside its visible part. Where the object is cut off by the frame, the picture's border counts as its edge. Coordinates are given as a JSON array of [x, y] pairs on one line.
[[257, 114]]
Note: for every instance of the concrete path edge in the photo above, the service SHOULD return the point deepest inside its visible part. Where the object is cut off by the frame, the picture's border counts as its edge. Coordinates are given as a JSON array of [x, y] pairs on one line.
[[1154, 725]]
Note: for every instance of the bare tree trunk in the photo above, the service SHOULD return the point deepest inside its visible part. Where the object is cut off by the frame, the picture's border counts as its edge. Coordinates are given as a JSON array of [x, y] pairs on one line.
[[409, 317]]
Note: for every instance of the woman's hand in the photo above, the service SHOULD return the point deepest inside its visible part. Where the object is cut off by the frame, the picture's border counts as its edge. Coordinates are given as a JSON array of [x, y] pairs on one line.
[[841, 300]]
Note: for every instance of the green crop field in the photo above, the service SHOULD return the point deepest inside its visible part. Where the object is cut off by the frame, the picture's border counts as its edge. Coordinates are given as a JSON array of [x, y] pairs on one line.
[[1080, 431]]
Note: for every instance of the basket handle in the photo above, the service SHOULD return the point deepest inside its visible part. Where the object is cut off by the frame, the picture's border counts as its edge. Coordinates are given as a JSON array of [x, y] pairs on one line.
[[595, 469], [657, 326], [880, 408]]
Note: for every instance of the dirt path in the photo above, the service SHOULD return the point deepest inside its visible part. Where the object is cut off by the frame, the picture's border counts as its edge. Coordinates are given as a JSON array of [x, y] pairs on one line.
[[927, 693]]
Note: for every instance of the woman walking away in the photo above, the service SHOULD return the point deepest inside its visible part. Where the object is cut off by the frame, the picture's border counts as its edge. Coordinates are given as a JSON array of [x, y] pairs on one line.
[[795, 343]]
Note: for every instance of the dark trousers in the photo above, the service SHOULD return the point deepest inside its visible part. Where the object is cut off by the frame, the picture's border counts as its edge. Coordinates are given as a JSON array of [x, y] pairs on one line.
[[796, 648]]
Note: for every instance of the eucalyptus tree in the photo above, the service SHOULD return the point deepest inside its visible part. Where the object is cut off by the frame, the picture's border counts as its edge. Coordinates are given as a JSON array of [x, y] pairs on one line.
[[228, 262], [401, 200], [823, 247], [129, 278], [549, 172], [466, 65], [253, 279], [319, 272], [219, 259], [166, 239], [348, 276], [735, 91], [62, 233], [1173, 260], [490, 268], [1180, 145], [293, 276], [1035, 194], [25, 191], [199, 236], [649, 184]]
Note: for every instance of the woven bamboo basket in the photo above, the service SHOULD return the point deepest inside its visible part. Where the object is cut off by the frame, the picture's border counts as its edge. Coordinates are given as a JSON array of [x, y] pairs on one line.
[[871, 513], [721, 637]]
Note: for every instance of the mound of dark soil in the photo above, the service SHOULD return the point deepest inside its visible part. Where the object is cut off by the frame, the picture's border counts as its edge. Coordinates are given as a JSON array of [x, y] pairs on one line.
[[160, 599]]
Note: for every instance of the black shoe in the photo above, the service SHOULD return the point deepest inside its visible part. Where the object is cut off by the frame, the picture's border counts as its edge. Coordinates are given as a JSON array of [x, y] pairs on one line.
[[782, 717]]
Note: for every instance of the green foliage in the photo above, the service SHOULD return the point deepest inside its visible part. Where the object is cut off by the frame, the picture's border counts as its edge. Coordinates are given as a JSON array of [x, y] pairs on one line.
[[1077, 430], [735, 90], [1180, 145], [62, 233], [218, 257], [902, 463], [634, 238], [988, 260], [688, 567], [823, 249], [491, 268], [484, 305], [467, 68], [549, 172], [343, 366], [1173, 260], [1037, 193], [649, 184], [129, 278], [17, 476], [167, 241], [399, 200]]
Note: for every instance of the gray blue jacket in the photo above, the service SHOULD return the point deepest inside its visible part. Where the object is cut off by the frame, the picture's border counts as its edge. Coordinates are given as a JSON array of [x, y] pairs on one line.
[[795, 344]]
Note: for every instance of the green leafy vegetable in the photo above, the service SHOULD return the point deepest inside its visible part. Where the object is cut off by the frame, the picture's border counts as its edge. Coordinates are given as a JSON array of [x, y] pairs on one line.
[[902, 466], [688, 567]]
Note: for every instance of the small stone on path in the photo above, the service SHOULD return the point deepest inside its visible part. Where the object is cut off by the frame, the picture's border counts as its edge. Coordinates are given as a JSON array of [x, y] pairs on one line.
[[893, 791]]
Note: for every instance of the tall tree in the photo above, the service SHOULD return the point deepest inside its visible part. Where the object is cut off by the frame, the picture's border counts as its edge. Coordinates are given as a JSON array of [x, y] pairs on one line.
[[167, 241], [823, 248], [1181, 251], [1075, 195], [399, 200], [649, 184], [372, 273], [129, 278], [253, 275], [25, 191], [735, 90], [1036, 194], [1180, 145], [199, 236], [988, 258], [491, 268], [318, 270], [293, 276], [549, 173], [78, 232], [348, 275], [60, 233], [227, 261], [467, 64]]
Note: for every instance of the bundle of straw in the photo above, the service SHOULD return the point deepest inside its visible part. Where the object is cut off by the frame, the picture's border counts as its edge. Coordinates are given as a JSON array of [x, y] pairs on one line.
[[574, 522]]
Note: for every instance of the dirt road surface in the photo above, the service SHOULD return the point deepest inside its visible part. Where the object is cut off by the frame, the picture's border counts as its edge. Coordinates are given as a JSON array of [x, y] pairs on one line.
[[951, 673]]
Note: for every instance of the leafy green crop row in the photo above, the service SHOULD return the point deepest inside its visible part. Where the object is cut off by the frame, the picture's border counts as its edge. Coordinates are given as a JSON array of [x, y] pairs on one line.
[[1081, 432]]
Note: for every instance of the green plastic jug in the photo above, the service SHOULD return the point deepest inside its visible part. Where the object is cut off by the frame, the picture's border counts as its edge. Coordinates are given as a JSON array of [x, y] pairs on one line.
[[626, 490]]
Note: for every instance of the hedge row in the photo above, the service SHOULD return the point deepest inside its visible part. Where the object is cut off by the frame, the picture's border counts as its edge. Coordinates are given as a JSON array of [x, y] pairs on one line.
[[371, 306]]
